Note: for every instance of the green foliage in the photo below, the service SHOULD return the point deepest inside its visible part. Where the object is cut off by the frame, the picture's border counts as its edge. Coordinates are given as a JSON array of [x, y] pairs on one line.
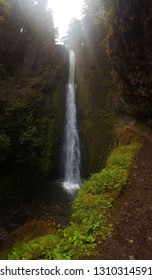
[[28, 136], [4, 141], [34, 249], [91, 210], [50, 78], [47, 132], [94, 9], [73, 244], [37, 143], [5, 144]]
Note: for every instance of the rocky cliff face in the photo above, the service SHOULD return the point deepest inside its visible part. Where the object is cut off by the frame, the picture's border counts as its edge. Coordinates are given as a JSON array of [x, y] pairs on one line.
[[94, 100], [39, 55], [130, 51], [36, 57], [28, 56]]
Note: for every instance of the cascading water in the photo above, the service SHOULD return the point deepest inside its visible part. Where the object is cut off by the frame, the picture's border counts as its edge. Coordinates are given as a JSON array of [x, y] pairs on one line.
[[71, 145]]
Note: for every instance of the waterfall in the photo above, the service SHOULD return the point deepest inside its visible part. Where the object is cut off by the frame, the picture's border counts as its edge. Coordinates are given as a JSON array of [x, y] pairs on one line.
[[71, 145]]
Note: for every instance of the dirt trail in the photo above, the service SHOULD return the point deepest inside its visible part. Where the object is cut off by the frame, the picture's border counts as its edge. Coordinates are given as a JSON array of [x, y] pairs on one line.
[[132, 214]]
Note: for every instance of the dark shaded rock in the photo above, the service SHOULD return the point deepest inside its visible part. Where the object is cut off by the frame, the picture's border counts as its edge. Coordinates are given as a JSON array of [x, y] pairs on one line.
[[130, 45]]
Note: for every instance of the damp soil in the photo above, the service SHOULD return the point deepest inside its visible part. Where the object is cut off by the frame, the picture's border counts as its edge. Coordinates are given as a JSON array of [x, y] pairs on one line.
[[33, 210], [132, 214]]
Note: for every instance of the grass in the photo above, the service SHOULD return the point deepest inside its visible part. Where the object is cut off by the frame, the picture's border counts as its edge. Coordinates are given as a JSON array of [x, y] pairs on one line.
[[91, 211]]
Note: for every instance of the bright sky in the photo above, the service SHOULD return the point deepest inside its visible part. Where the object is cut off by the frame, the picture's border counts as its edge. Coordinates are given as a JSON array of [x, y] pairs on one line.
[[63, 12]]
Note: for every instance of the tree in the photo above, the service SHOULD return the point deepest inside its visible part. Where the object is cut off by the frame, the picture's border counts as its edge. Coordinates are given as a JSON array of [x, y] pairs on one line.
[[28, 24], [74, 39]]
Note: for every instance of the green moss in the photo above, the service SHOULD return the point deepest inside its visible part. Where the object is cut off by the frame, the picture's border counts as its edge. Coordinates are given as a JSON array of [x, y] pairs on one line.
[[91, 210], [36, 249]]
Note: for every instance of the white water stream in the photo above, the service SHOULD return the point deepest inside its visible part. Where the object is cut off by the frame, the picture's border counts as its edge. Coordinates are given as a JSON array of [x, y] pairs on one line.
[[71, 145]]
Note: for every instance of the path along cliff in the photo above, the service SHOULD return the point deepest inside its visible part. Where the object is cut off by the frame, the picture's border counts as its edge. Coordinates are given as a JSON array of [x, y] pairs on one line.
[[132, 214]]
